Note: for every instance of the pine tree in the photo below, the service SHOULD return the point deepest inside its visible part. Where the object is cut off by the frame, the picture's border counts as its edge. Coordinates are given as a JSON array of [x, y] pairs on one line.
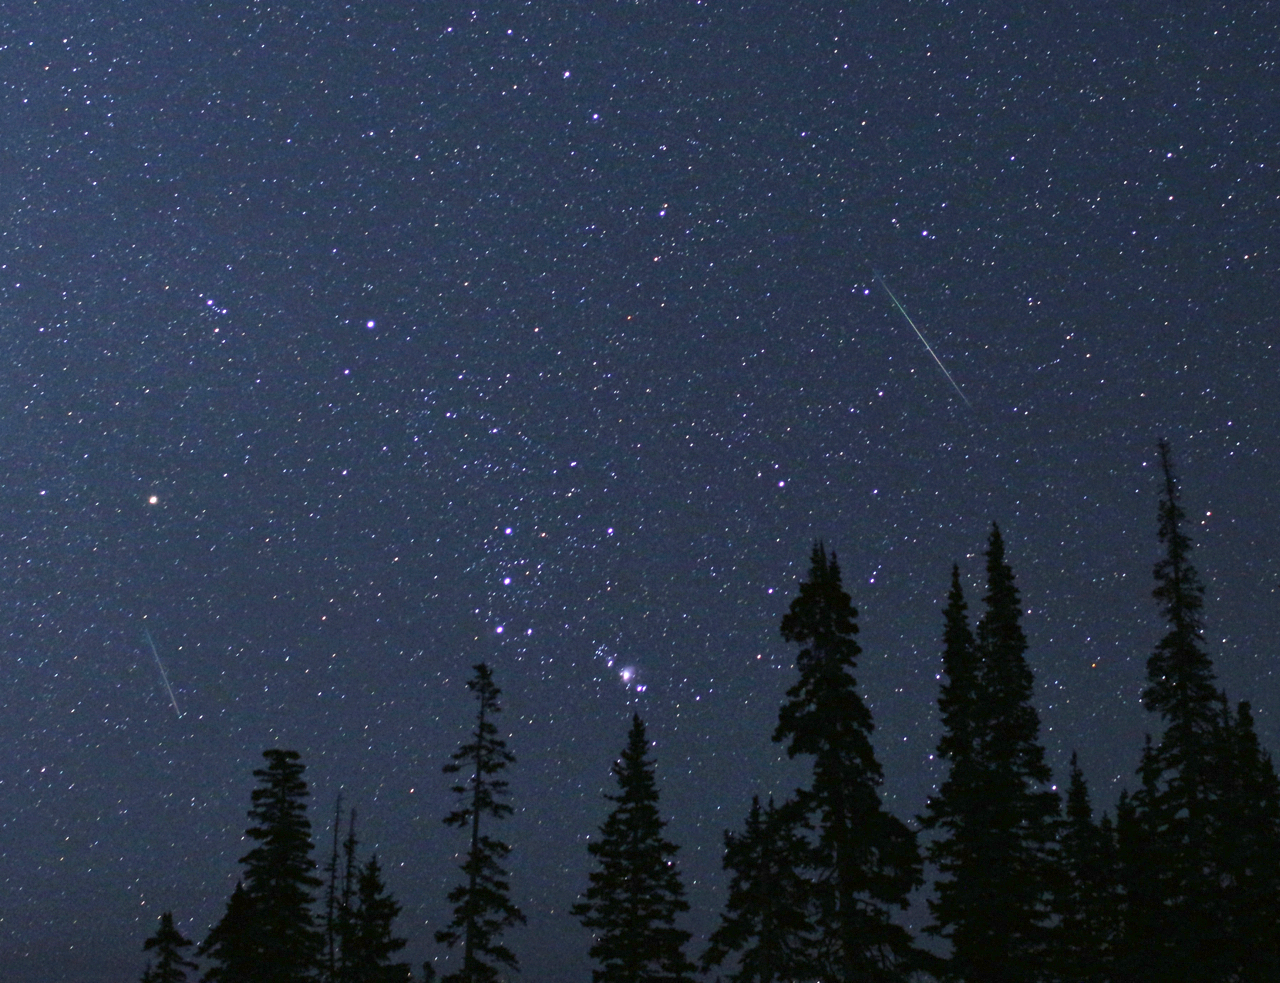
[[1089, 892], [370, 942], [959, 701], [482, 905], [171, 965], [997, 819], [633, 899], [272, 935], [767, 922], [1251, 857], [1178, 914], [234, 945], [957, 808], [865, 860]]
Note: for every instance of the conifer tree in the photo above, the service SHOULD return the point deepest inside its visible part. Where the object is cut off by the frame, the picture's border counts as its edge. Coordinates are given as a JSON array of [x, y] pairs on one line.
[[1251, 856], [170, 964], [864, 860], [370, 942], [956, 811], [234, 945], [482, 904], [997, 818], [767, 922], [272, 935], [1177, 910], [633, 898], [1089, 891]]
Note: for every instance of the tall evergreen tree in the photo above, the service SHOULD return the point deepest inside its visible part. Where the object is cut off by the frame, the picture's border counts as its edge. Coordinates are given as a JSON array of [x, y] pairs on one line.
[[1180, 678], [997, 819], [170, 964], [632, 900], [483, 908], [275, 924], [959, 702], [1088, 902], [1177, 917], [1251, 856], [371, 942], [767, 922], [864, 860], [234, 945], [1202, 848]]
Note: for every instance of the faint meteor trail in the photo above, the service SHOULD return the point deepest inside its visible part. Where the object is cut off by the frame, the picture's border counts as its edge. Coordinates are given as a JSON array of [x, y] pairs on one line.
[[163, 675], [923, 341]]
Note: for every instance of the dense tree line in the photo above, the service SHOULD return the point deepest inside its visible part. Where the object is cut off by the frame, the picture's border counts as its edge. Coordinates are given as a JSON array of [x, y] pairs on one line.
[[1182, 886]]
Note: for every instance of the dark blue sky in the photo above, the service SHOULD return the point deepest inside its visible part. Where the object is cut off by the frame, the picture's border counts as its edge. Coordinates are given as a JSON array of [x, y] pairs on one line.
[[546, 334]]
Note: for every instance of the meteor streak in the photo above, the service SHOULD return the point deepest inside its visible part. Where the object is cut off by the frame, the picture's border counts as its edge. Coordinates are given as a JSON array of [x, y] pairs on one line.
[[163, 675], [928, 347]]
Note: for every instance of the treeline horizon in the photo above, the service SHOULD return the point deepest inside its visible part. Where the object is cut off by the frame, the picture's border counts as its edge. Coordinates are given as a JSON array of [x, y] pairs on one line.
[[1182, 885]]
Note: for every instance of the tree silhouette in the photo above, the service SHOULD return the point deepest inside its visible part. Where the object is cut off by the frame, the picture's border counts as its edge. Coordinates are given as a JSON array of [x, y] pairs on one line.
[[170, 964], [370, 941], [482, 904], [1203, 837], [332, 909], [1251, 852], [1088, 902], [864, 860], [1176, 913], [346, 900], [768, 921], [633, 898], [268, 933], [997, 819], [234, 945]]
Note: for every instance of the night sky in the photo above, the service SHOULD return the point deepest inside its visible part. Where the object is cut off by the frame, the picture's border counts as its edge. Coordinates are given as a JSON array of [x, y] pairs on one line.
[[343, 346]]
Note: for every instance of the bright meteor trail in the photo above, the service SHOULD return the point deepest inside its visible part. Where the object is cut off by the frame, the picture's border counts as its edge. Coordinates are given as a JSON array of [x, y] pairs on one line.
[[163, 675], [923, 341]]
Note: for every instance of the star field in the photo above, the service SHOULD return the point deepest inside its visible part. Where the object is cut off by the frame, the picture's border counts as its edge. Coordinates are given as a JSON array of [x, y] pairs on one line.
[[347, 345]]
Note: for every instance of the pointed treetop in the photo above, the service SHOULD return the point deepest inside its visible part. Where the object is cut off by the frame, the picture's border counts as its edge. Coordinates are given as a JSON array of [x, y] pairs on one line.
[[634, 896], [822, 610], [823, 621], [1180, 677], [958, 700], [1079, 809], [1000, 627], [171, 965]]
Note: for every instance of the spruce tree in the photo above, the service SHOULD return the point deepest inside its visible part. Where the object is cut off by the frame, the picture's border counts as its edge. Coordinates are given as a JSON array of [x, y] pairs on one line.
[[275, 928], [1088, 892], [768, 920], [956, 811], [1178, 916], [371, 942], [864, 860], [1251, 856], [234, 945], [170, 964], [997, 819], [633, 898], [482, 904], [1201, 847]]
